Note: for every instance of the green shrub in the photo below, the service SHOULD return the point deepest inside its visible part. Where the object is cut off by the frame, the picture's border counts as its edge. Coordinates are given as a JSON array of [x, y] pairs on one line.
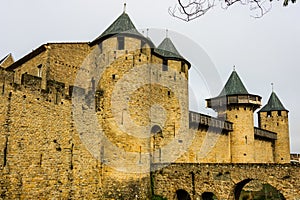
[[157, 197]]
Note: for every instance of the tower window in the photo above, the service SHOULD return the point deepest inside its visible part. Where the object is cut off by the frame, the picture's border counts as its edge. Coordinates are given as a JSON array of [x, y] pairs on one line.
[[121, 43], [93, 84], [143, 43], [39, 70], [279, 112], [156, 130], [100, 47], [169, 93], [165, 65], [182, 67], [269, 114]]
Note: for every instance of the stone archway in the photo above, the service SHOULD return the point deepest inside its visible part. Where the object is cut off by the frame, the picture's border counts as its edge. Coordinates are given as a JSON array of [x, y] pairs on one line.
[[208, 196], [182, 195], [249, 189]]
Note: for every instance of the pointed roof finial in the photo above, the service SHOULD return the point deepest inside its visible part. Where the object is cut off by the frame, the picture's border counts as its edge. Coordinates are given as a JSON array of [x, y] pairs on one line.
[[233, 67], [272, 84], [147, 32], [124, 8], [167, 33]]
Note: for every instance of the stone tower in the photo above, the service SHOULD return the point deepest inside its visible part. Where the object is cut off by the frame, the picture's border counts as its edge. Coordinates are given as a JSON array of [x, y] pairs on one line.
[[236, 105], [274, 117], [141, 97]]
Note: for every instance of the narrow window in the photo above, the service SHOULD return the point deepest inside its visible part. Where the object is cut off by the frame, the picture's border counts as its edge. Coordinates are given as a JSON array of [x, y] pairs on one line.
[[121, 43], [169, 93], [5, 152], [143, 43], [279, 112], [165, 65], [56, 97], [182, 67], [159, 151], [39, 70], [93, 84], [269, 114], [100, 47]]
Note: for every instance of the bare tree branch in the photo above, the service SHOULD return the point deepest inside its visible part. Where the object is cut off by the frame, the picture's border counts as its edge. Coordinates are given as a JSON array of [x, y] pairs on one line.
[[188, 10], [191, 10]]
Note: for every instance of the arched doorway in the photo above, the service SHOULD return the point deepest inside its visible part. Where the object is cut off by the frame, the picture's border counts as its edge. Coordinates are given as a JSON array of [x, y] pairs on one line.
[[156, 130], [182, 195], [249, 189], [208, 196]]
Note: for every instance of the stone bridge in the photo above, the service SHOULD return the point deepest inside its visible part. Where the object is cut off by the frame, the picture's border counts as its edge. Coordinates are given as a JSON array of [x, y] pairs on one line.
[[225, 181]]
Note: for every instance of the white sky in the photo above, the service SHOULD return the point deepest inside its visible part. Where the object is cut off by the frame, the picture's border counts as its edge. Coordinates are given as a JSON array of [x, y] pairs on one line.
[[263, 50]]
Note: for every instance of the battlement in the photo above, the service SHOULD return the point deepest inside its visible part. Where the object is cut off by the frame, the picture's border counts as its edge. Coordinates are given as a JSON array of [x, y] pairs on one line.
[[243, 99], [198, 120], [31, 81], [264, 134]]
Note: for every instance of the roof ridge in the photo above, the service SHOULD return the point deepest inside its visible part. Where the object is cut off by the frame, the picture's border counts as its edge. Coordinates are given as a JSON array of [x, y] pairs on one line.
[[3, 59]]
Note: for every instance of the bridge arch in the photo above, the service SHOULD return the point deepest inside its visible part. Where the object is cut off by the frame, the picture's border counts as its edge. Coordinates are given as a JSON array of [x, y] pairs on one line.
[[208, 196], [182, 195], [261, 188]]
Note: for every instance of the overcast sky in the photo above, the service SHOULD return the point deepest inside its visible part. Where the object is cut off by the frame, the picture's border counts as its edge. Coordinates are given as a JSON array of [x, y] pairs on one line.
[[263, 50]]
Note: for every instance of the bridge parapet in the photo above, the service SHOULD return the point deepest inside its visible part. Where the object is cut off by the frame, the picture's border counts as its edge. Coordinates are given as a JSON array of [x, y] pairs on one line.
[[224, 180]]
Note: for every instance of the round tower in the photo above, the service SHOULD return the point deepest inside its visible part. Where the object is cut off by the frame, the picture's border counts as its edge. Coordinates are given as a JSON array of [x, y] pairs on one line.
[[141, 95], [274, 117], [141, 103], [236, 105], [171, 71]]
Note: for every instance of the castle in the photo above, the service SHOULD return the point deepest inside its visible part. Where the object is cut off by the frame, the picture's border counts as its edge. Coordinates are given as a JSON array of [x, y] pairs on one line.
[[89, 119]]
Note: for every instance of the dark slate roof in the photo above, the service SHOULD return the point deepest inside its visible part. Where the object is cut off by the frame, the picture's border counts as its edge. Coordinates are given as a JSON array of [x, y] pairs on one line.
[[122, 24], [3, 59], [273, 104], [27, 57], [168, 49], [234, 86]]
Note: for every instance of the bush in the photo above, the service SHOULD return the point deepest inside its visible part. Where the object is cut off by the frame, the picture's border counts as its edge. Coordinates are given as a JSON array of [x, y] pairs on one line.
[[157, 197]]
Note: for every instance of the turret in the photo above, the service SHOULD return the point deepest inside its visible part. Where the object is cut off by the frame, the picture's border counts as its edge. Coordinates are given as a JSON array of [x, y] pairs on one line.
[[274, 117], [171, 57], [172, 71], [121, 37], [236, 105]]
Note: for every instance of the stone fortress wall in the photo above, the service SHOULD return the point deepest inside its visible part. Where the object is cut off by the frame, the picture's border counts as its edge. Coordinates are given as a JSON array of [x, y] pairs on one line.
[[42, 149]]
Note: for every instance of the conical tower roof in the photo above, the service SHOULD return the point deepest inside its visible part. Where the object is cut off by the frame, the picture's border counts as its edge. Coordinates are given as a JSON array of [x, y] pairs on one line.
[[122, 25], [274, 104], [234, 86], [168, 49]]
